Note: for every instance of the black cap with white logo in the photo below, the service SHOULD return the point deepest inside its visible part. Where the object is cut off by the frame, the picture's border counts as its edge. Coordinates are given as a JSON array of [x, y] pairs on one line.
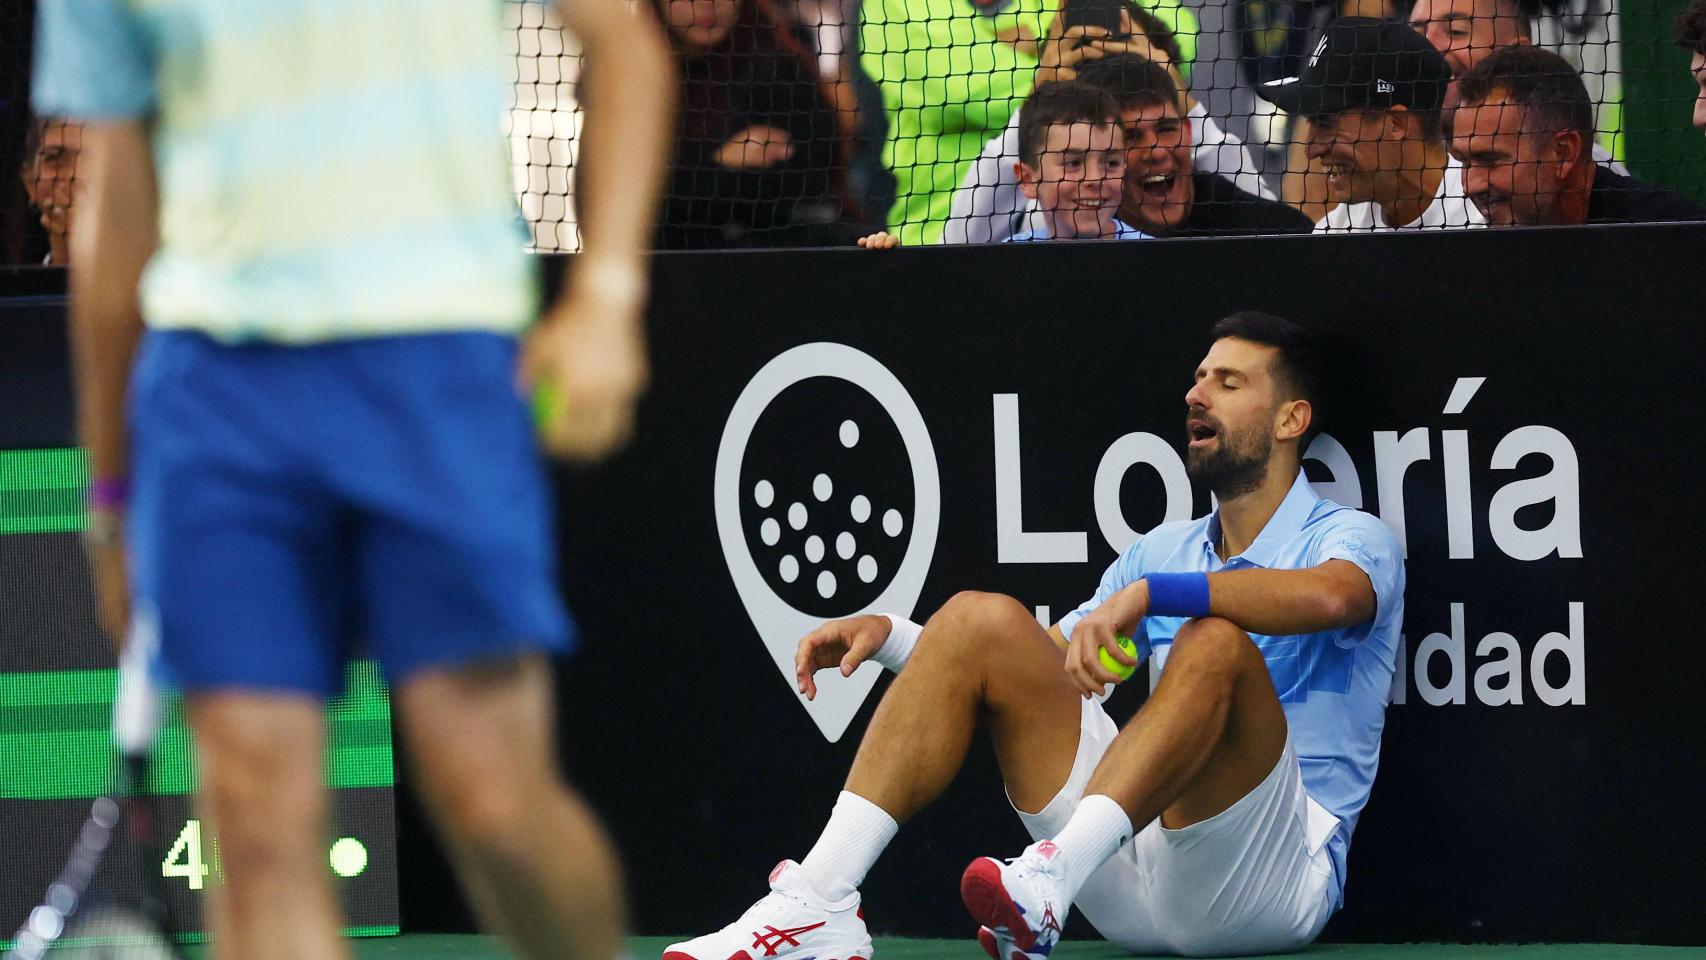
[[1364, 62]]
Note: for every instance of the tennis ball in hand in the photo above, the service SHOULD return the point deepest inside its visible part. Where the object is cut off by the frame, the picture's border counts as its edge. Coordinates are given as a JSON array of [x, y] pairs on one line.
[[547, 405], [1115, 667]]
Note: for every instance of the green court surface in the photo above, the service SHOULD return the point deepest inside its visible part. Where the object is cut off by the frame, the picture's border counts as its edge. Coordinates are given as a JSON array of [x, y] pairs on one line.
[[450, 947]]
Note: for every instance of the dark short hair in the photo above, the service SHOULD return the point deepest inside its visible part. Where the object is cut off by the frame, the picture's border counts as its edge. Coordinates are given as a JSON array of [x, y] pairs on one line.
[[1298, 368], [1133, 81], [1550, 90], [1161, 36], [1069, 102], [1691, 28]]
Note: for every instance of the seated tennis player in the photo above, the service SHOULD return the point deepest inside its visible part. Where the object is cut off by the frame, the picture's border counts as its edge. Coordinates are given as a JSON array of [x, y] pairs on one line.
[[1219, 819]]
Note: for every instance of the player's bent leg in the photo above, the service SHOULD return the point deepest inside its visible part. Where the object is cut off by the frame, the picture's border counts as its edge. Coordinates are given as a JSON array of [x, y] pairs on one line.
[[537, 865], [263, 793], [980, 655], [1211, 732]]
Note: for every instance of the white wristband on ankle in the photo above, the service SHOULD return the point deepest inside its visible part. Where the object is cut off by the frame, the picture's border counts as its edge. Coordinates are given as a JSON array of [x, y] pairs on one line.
[[897, 649]]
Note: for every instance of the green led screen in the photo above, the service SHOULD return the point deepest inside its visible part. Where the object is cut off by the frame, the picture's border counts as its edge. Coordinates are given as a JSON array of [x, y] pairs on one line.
[[56, 691]]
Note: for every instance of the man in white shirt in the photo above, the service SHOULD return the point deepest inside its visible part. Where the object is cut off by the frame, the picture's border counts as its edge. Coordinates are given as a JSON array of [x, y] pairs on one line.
[[1372, 91]]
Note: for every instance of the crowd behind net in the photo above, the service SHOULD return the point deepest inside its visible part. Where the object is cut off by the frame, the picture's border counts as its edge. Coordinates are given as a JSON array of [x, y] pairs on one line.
[[815, 122]]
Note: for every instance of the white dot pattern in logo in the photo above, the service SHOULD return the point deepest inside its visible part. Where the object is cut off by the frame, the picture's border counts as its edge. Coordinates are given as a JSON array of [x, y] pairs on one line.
[[823, 441], [795, 462]]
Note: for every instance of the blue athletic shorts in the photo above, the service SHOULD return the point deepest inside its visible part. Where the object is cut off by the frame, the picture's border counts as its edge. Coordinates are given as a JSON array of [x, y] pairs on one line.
[[295, 507]]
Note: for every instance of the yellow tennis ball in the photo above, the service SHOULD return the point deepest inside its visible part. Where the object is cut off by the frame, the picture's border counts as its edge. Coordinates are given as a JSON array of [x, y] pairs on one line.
[[1115, 667], [547, 405]]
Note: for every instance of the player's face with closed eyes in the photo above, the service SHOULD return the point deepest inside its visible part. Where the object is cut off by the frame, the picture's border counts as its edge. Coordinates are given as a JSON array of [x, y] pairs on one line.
[[1229, 417]]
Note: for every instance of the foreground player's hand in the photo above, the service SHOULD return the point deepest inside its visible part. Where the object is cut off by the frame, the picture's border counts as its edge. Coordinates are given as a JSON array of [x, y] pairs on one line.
[[1094, 633], [843, 643], [589, 352], [107, 571]]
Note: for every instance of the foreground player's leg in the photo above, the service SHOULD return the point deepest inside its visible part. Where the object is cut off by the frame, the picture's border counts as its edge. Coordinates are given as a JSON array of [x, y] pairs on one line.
[[535, 861], [1210, 733], [981, 655], [263, 794]]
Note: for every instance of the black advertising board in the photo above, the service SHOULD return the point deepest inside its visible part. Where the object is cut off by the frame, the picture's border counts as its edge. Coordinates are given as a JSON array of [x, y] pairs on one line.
[[1518, 404]]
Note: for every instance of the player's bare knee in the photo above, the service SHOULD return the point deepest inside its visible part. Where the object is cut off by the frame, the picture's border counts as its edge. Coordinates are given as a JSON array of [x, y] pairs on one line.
[[975, 623], [1214, 645]]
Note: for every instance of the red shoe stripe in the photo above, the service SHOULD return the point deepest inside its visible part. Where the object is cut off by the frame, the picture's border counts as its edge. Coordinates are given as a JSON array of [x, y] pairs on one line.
[[989, 904], [986, 940], [770, 938]]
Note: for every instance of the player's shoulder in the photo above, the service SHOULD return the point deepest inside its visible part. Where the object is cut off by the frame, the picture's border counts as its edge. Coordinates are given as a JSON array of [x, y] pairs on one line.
[[1334, 520]]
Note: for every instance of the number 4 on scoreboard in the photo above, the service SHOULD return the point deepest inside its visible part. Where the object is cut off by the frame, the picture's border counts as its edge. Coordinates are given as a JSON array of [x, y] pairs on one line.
[[184, 859]]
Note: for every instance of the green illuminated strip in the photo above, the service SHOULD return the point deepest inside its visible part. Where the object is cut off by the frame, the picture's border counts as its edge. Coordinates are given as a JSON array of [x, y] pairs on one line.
[[372, 931], [41, 491], [380, 931], [55, 740]]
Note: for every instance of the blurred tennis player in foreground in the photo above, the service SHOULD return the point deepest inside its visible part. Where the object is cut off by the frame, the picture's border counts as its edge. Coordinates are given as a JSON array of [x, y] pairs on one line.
[[322, 435]]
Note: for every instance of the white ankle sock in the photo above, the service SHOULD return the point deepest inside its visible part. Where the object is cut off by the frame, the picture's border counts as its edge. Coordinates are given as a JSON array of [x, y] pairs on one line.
[[1097, 829], [855, 836]]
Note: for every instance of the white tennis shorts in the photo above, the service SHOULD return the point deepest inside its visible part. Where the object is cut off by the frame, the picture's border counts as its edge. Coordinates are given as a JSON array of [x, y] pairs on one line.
[[1256, 878]]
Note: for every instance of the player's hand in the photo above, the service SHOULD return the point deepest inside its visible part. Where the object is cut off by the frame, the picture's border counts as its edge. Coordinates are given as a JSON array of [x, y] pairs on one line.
[[881, 240], [589, 351], [108, 574], [838, 643], [1097, 632]]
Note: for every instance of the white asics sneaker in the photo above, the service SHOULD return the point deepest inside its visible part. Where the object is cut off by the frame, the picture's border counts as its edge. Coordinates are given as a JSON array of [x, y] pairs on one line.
[[791, 923], [1021, 903]]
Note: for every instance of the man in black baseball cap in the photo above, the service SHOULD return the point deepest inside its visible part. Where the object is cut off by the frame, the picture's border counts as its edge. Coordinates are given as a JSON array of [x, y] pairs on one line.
[[1371, 92]]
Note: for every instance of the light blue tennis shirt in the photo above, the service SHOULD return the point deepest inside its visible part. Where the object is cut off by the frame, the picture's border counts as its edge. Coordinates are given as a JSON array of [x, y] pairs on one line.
[[1122, 231], [1333, 685], [326, 168]]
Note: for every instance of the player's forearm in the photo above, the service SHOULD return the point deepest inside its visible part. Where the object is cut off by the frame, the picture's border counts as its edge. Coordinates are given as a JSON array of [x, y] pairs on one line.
[[629, 89], [112, 238], [1274, 602], [1283, 602]]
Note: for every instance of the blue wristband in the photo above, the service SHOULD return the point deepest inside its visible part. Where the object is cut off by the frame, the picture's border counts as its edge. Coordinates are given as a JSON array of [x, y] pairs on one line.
[[1178, 594]]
